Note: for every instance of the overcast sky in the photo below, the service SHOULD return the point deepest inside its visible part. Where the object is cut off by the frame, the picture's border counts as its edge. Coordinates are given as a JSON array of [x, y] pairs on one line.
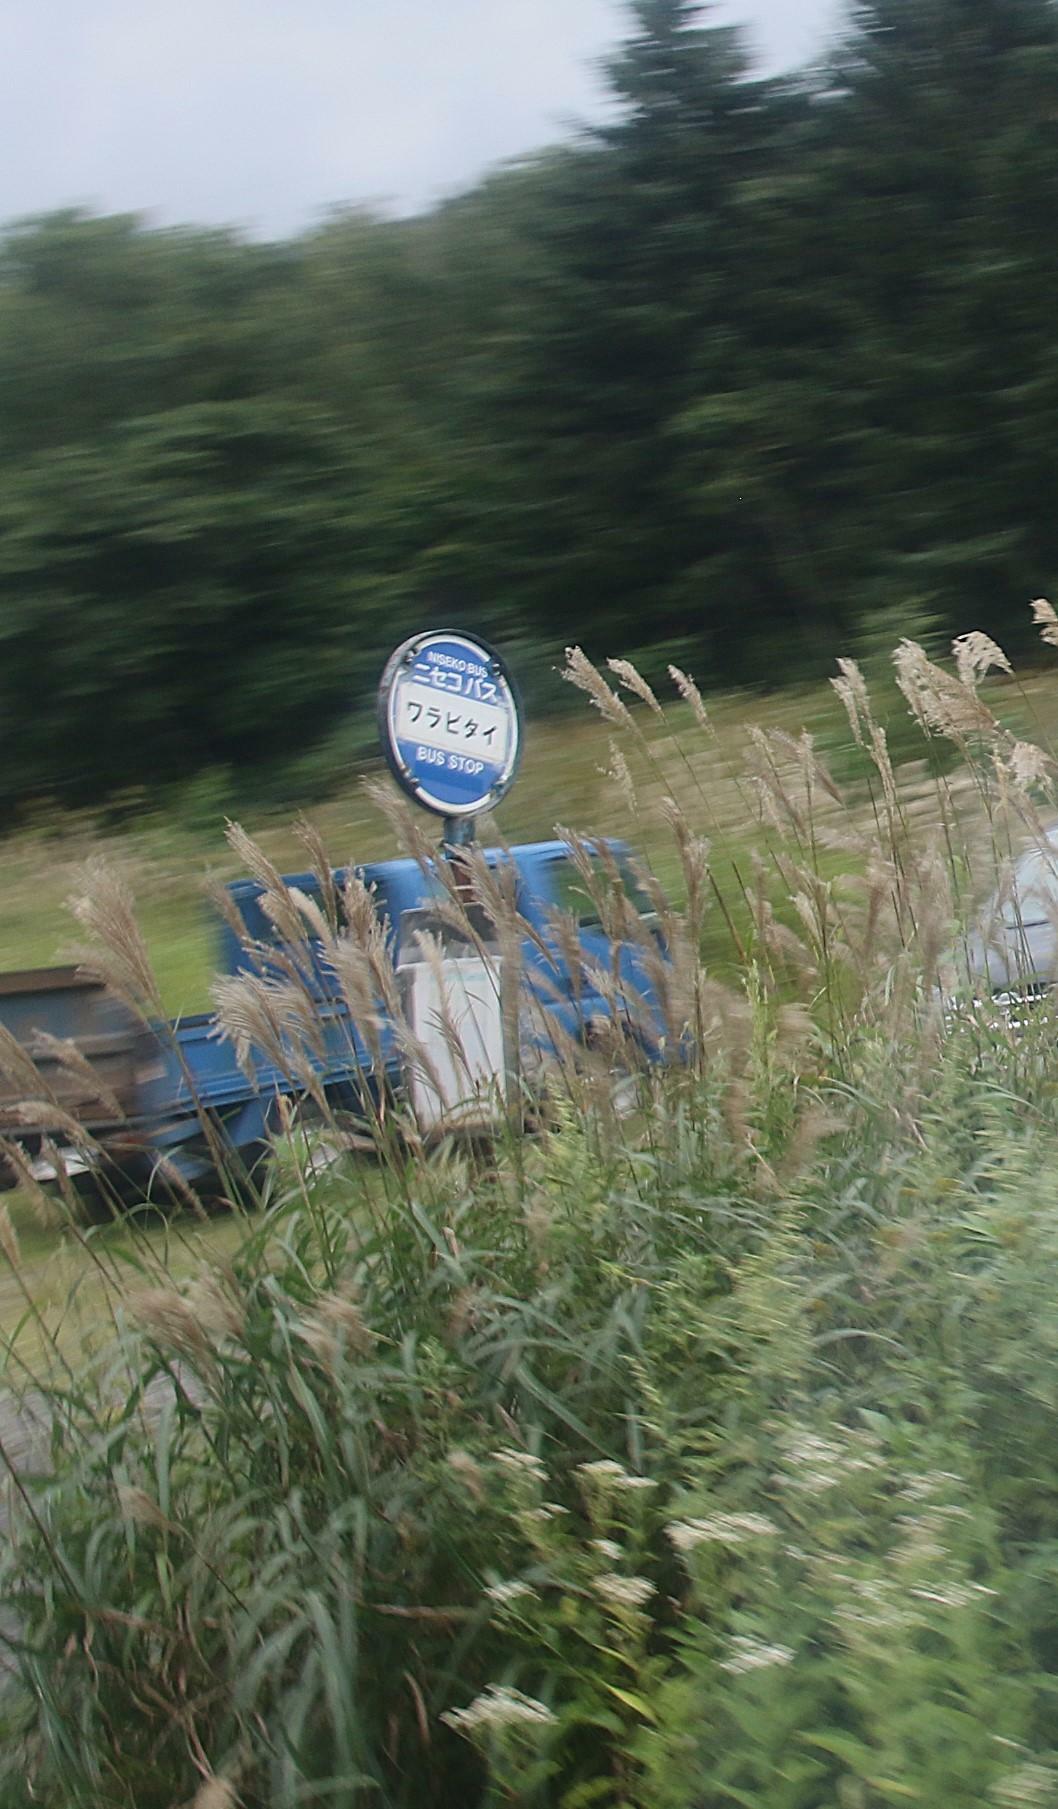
[[264, 113]]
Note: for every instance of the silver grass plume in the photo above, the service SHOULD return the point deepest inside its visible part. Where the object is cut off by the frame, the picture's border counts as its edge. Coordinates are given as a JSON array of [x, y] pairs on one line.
[[314, 920], [9, 1237], [1046, 621], [814, 770], [579, 671], [225, 906], [851, 687], [598, 870], [568, 948], [137, 1508], [884, 766], [403, 820], [1026, 765], [690, 693], [694, 859], [634, 681], [781, 941], [65, 1052], [117, 953], [312, 841], [273, 1017], [366, 932], [620, 776], [216, 1307], [941, 704], [360, 910], [335, 1327], [215, 1793], [45, 1114], [19, 1068], [171, 1323], [253, 857], [783, 813], [172, 1176], [275, 899], [977, 654]]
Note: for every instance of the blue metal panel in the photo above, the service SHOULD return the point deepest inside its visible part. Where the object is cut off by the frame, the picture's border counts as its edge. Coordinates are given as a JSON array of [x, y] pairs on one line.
[[197, 1069]]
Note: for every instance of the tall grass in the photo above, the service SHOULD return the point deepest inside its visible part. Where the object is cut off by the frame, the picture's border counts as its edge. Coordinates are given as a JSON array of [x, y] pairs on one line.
[[698, 1447]]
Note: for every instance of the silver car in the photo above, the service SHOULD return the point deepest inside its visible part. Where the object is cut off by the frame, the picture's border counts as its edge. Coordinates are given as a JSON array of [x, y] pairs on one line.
[[1011, 956]]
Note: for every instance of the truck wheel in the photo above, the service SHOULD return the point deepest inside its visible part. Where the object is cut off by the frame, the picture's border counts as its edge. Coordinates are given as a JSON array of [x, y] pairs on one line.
[[242, 1181]]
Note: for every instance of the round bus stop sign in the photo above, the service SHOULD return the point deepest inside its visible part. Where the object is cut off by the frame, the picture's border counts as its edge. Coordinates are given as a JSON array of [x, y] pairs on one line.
[[450, 722]]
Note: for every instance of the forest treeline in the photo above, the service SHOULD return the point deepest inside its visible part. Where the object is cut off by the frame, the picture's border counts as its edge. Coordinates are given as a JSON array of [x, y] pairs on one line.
[[739, 378]]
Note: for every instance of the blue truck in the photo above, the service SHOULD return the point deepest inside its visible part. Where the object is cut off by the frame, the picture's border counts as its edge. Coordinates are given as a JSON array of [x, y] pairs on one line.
[[167, 1103]]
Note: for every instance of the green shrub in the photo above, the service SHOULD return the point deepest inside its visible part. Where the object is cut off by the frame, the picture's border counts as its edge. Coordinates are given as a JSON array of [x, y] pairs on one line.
[[702, 1455]]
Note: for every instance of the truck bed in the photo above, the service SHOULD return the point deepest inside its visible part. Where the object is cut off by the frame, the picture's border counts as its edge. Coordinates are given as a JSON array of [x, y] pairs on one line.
[[64, 1003]]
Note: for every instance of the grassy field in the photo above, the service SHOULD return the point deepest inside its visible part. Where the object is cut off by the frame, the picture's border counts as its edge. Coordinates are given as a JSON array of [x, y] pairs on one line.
[[62, 1297], [563, 780], [70, 1276]]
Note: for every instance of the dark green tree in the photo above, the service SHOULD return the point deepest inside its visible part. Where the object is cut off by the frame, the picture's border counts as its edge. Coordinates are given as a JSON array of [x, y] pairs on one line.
[[745, 374], [942, 169], [654, 504], [192, 589]]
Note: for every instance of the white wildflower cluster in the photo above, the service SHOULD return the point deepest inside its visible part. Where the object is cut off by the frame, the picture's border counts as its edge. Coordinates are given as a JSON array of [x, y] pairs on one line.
[[921, 1544], [924, 1535], [548, 1510], [623, 1592], [504, 1593], [954, 1595], [934, 1482], [1029, 1787], [720, 1529], [607, 1548], [521, 1463], [613, 1475], [879, 1606], [748, 1654], [464, 1466], [816, 1464], [497, 1708], [884, 1604]]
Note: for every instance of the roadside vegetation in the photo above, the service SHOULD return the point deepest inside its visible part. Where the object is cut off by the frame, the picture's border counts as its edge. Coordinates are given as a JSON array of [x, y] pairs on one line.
[[697, 1453]]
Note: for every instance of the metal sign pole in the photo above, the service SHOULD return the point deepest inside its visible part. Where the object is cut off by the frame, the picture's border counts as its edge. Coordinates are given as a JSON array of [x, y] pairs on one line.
[[457, 833], [451, 729]]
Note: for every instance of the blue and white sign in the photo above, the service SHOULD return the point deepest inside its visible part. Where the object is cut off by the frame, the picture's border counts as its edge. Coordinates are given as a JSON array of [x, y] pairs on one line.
[[450, 722]]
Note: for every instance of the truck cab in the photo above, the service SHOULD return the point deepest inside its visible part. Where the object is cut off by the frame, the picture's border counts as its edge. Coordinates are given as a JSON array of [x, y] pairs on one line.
[[549, 884]]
